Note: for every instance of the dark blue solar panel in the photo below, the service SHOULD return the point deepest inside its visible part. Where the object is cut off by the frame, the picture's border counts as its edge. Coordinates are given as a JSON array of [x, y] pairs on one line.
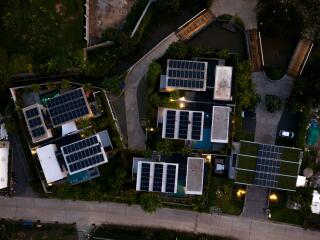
[[145, 177], [35, 122], [171, 178], [157, 180], [196, 126], [37, 132], [183, 125], [67, 107], [170, 124], [80, 144], [32, 112], [93, 160]]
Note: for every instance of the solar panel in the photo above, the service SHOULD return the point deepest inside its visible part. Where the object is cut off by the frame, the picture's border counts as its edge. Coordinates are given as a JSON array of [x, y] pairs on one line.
[[183, 125], [157, 180], [170, 124], [145, 177], [184, 74], [68, 106], [196, 126], [37, 132], [35, 122], [32, 112], [83, 154], [171, 178]]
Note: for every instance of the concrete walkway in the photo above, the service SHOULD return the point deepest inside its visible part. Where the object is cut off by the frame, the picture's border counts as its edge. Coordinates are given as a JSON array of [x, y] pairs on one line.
[[266, 122], [136, 137], [88, 213], [244, 9], [256, 203]]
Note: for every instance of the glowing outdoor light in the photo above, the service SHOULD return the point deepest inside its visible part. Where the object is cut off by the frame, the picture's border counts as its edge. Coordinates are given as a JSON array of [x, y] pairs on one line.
[[273, 197], [208, 157], [241, 192], [182, 105], [182, 99]]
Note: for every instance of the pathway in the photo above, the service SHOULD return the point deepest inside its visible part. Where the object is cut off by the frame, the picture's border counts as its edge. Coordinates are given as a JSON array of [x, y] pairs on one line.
[[244, 9], [88, 213], [136, 137]]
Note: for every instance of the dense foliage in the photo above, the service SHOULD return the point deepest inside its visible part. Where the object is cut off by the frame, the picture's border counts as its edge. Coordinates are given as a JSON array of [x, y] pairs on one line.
[[273, 103], [150, 202]]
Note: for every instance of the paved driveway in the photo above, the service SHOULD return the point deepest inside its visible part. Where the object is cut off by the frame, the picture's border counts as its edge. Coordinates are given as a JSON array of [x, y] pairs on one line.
[[87, 213], [266, 122], [136, 137], [245, 9], [256, 202]]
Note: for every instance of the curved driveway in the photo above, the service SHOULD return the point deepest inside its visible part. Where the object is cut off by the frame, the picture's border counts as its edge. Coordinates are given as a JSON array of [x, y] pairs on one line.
[[87, 213], [136, 137]]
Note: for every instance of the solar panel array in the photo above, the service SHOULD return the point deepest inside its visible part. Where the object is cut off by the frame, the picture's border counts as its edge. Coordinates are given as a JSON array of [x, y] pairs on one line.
[[34, 122], [83, 154], [184, 74], [157, 177], [267, 165], [67, 107], [180, 124]]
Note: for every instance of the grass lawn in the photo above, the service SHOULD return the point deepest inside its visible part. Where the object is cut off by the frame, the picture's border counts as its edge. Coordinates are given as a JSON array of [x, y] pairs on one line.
[[15, 230], [232, 207], [248, 148], [247, 162], [287, 182], [245, 176], [283, 214], [287, 168], [290, 154]]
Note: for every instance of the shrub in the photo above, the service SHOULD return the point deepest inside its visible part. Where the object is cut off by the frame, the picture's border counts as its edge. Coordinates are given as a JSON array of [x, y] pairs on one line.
[[273, 103], [150, 202]]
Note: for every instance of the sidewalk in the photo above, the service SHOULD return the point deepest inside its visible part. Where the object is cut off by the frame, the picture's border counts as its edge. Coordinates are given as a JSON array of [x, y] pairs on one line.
[[88, 213]]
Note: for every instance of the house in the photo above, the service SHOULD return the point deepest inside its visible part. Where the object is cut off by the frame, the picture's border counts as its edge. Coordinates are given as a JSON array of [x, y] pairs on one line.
[[194, 179], [268, 166], [61, 110], [76, 159]]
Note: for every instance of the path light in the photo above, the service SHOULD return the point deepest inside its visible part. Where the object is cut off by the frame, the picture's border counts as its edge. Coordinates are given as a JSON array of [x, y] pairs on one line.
[[240, 193], [208, 157], [33, 151], [181, 105], [273, 197]]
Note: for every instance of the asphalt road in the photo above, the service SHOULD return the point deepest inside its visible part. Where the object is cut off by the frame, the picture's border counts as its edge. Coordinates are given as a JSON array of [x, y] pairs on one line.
[[21, 168], [87, 213]]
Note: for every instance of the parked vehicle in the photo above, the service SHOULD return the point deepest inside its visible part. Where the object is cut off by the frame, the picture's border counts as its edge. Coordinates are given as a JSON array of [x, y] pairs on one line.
[[286, 134], [248, 114]]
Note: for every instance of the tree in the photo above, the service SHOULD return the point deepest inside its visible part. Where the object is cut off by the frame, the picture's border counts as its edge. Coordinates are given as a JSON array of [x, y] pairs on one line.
[[87, 87], [65, 84], [116, 182], [273, 103], [165, 146], [150, 202], [113, 85], [50, 85], [177, 50]]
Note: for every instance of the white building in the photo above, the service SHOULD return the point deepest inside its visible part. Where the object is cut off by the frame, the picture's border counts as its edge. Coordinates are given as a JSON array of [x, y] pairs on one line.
[[4, 162]]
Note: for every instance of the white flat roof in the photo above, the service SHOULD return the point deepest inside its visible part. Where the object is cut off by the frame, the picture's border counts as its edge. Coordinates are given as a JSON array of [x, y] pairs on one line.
[[194, 179], [49, 163], [3, 132], [315, 205], [220, 124], [4, 156], [68, 127], [222, 83], [301, 181]]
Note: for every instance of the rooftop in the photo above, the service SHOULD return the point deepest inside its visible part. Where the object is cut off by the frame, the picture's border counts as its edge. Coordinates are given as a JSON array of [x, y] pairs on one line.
[[223, 82], [194, 181], [220, 124], [268, 166]]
